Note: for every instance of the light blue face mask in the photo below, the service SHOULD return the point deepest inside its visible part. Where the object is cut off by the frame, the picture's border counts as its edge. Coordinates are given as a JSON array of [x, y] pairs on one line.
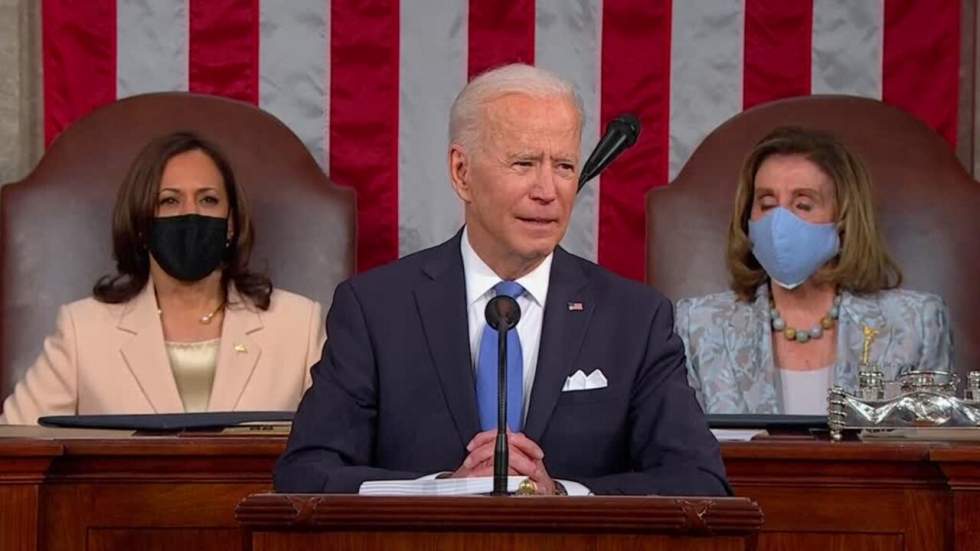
[[791, 249]]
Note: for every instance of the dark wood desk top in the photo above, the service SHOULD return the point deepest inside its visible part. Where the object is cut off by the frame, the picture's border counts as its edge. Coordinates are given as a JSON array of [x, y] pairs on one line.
[[210, 445], [155, 455], [704, 516]]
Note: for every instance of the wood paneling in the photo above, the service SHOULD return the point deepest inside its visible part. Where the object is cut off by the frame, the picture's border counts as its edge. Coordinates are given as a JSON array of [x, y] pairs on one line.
[[793, 541], [820, 494], [18, 517], [410, 541], [154, 539], [814, 494], [22, 467]]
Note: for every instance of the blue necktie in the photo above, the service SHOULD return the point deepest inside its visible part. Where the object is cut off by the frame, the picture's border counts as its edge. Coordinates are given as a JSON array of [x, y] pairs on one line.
[[486, 371]]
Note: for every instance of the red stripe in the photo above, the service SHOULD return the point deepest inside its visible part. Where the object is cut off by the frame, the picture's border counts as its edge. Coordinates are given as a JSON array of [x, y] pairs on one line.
[[224, 48], [777, 58], [364, 67], [920, 71], [636, 79], [79, 60], [500, 33]]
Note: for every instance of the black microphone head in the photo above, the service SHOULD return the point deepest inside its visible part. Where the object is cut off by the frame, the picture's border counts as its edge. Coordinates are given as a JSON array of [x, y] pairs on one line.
[[621, 134], [629, 125], [502, 313]]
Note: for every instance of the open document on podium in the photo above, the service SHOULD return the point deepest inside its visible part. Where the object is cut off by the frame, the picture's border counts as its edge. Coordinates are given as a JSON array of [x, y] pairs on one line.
[[435, 486]]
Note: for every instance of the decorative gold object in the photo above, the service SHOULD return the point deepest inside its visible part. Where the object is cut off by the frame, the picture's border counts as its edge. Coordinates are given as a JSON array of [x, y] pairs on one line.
[[869, 336], [527, 487]]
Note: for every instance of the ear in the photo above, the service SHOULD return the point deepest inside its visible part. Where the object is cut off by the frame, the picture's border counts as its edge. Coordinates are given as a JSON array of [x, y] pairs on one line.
[[459, 168]]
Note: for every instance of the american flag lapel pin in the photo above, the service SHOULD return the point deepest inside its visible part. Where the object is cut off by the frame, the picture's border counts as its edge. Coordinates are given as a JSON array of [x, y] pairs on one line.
[[575, 307]]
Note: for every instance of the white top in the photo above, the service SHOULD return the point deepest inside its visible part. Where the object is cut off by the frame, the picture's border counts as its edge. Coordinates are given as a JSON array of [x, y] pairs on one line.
[[805, 392], [480, 280], [194, 364]]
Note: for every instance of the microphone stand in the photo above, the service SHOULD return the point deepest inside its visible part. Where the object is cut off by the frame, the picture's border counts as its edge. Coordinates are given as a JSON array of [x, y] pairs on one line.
[[502, 314], [500, 451]]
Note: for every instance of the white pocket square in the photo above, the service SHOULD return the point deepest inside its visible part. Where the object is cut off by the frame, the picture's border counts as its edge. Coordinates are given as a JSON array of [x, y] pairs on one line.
[[581, 381]]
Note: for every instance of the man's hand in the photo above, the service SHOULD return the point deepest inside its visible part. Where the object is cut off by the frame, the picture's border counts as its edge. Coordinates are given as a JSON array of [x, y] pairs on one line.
[[525, 459]]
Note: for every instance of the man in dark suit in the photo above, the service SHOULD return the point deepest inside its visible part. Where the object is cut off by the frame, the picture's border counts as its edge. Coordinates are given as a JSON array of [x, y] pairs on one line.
[[599, 393]]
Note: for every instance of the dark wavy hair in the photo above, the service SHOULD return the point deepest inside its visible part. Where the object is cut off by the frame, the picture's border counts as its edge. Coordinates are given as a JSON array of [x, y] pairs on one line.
[[135, 210]]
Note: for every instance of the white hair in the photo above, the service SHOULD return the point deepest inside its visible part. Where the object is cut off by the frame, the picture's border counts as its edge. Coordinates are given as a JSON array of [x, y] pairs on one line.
[[517, 78]]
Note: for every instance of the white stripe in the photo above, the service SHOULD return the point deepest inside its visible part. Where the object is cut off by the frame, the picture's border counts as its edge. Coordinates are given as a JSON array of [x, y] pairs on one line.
[[151, 46], [848, 39], [432, 70], [567, 39], [706, 53], [294, 82]]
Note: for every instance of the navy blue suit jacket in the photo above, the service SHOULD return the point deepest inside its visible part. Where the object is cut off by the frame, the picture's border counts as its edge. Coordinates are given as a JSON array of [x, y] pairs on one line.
[[394, 394]]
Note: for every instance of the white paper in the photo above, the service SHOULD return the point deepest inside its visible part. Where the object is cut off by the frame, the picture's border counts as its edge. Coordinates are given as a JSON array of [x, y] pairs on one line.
[[435, 486], [737, 435]]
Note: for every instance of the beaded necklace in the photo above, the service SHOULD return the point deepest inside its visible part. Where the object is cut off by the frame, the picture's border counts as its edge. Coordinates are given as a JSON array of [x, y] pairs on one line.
[[800, 335]]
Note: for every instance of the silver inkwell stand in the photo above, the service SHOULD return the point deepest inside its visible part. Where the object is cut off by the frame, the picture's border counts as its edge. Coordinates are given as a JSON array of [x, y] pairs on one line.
[[918, 405]]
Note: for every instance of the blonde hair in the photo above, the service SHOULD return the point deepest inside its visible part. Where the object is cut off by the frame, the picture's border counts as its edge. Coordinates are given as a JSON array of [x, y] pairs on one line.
[[863, 265]]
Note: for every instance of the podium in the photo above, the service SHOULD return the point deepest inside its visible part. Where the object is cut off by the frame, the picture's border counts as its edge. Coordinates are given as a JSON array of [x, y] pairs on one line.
[[280, 522]]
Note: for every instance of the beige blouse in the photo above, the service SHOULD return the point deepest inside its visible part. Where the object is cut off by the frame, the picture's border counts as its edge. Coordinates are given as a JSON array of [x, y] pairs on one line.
[[194, 364]]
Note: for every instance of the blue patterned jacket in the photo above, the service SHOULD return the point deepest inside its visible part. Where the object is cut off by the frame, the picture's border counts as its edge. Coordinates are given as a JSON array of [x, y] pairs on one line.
[[729, 344]]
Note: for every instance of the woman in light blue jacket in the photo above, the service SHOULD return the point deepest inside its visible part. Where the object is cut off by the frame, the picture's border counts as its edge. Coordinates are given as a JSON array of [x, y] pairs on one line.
[[810, 277]]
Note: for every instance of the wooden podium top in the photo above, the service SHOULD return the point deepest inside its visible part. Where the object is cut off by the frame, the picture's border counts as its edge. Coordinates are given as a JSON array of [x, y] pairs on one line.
[[681, 515]]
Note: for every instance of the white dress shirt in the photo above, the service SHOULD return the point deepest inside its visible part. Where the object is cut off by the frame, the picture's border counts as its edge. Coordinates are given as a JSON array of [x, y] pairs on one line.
[[480, 280]]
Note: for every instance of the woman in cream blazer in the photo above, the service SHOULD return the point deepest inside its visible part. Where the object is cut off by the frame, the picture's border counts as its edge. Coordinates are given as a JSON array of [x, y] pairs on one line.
[[111, 358], [184, 326]]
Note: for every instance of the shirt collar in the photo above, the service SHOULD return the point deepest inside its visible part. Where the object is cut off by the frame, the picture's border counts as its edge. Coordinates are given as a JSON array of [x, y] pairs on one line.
[[480, 278]]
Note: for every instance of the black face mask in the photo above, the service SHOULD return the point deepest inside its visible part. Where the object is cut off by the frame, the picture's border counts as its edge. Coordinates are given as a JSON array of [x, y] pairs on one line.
[[190, 246]]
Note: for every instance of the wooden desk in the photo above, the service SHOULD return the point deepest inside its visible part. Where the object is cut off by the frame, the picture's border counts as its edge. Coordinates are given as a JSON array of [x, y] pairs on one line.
[[851, 495], [127, 494], [278, 522], [180, 493]]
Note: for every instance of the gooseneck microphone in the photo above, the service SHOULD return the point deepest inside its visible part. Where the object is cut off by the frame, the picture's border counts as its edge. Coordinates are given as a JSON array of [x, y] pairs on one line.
[[502, 315], [621, 134]]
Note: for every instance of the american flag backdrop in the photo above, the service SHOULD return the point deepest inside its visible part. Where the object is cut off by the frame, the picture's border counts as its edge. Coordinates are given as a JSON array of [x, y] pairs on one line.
[[367, 84]]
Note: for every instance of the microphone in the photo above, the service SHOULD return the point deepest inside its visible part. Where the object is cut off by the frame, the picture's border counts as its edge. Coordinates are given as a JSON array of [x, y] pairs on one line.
[[621, 134], [502, 315]]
